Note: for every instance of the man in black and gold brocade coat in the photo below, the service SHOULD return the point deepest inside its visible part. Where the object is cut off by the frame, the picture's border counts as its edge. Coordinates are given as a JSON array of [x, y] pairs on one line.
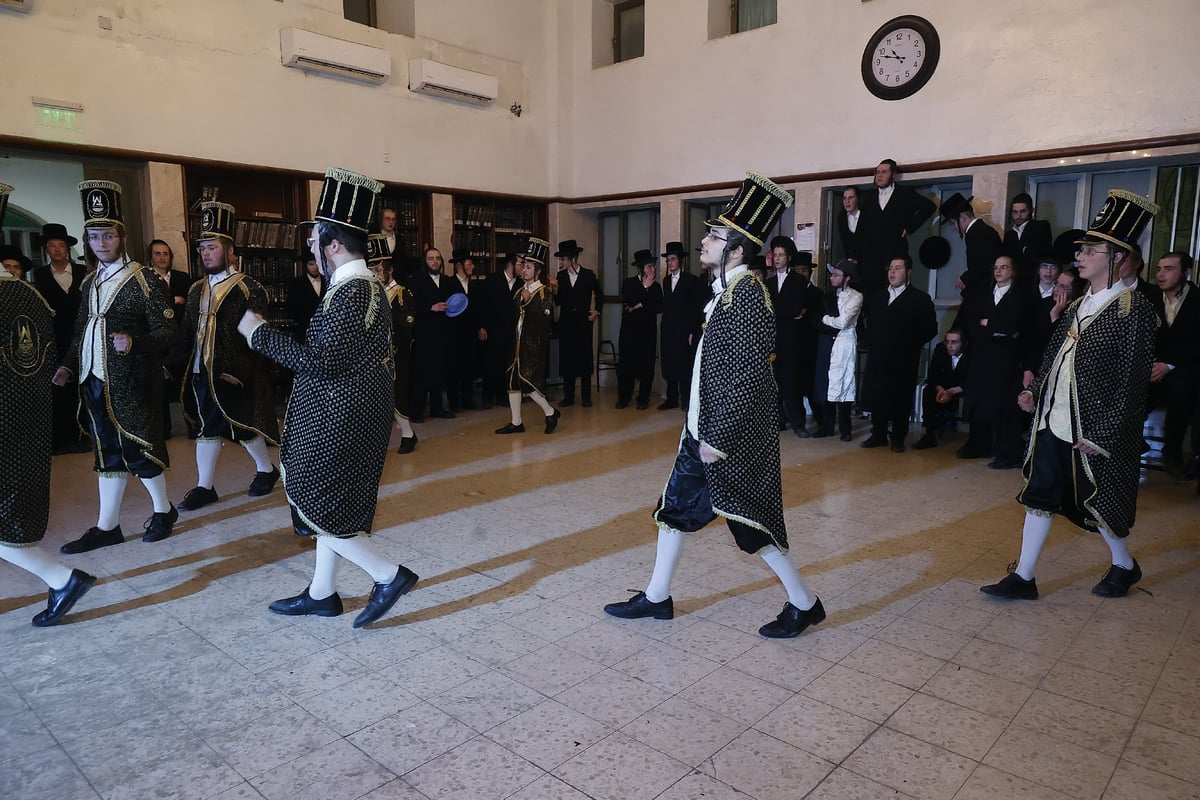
[[1088, 404], [728, 459], [339, 417], [125, 323], [226, 392]]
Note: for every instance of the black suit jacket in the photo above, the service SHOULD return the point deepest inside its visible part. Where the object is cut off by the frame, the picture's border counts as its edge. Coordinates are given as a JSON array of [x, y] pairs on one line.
[[896, 333], [302, 301], [942, 371], [1035, 240], [574, 327], [790, 304], [1179, 344], [65, 304], [848, 238], [881, 231], [682, 317], [984, 246]]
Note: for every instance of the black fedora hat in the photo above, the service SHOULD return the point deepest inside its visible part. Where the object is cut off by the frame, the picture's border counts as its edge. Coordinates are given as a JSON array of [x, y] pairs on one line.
[[1064, 245], [56, 230], [934, 252], [459, 255], [568, 249], [803, 258], [643, 257], [675, 249], [954, 205]]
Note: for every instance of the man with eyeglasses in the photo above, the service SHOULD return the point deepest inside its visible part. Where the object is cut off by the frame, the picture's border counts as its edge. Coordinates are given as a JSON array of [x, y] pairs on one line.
[[727, 463], [1087, 403], [125, 324], [227, 386]]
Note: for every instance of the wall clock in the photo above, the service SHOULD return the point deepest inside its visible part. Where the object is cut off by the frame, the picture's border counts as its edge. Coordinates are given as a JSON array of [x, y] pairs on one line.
[[900, 57]]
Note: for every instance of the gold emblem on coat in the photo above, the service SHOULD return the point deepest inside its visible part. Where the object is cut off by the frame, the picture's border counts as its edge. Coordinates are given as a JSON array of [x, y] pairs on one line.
[[24, 348]]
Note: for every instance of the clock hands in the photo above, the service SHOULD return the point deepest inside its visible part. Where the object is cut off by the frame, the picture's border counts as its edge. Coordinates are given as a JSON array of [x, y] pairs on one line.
[[895, 56]]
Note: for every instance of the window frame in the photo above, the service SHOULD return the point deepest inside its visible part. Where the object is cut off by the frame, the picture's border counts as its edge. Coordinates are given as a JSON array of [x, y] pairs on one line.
[[618, 10]]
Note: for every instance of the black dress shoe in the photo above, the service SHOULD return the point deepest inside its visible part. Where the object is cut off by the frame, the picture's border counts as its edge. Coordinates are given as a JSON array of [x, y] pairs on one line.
[[1003, 463], [821, 433], [642, 405], [385, 595], [874, 440], [94, 539], [845, 437], [1117, 581], [925, 442], [898, 446], [303, 604], [407, 444], [802, 433], [510, 428], [667, 405], [62, 600], [567, 402], [638, 607], [196, 498], [445, 415], [160, 525], [622, 404], [791, 621], [552, 421], [586, 404], [263, 482], [1012, 587]]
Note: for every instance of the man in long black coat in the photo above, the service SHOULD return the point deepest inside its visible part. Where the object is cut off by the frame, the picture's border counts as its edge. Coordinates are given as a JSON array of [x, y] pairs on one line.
[[808, 331], [684, 296], [579, 300], [59, 283], [1175, 376], [890, 214], [465, 333], [786, 291], [500, 329], [901, 321], [982, 241], [431, 338], [304, 294], [641, 301], [1027, 240]]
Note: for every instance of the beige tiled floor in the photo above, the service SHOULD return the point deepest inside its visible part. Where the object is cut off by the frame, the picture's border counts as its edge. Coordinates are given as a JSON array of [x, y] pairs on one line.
[[501, 677]]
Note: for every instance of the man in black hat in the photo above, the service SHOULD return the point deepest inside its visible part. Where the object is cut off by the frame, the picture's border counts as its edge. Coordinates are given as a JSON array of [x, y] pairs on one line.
[[500, 329], [25, 441], [59, 282], [124, 327], [379, 260], [1027, 239], [16, 264], [728, 458], [431, 338], [983, 243], [1083, 461], [226, 385], [641, 300], [684, 297], [339, 418], [900, 321], [466, 334], [891, 213], [578, 295]]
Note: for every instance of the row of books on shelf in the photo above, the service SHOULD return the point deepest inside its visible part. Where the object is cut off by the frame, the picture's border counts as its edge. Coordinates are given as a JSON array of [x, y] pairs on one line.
[[503, 220], [276, 292], [476, 242], [268, 268], [259, 233], [406, 212]]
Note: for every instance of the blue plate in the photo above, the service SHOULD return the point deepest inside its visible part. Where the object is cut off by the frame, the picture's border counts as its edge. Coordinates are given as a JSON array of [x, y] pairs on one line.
[[456, 304]]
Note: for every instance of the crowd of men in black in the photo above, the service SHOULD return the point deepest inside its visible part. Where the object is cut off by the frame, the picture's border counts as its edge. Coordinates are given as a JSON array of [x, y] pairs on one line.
[[1014, 289]]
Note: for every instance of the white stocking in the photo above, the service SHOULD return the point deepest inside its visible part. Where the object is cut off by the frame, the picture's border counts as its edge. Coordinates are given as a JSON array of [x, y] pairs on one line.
[[359, 551], [324, 580], [39, 562], [1033, 539], [207, 453], [405, 427], [540, 399], [257, 448], [514, 403], [112, 490], [157, 487], [666, 559], [1119, 548], [798, 592]]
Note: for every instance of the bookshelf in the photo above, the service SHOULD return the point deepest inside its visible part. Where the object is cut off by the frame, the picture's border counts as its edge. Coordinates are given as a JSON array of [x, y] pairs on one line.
[[491, 227]]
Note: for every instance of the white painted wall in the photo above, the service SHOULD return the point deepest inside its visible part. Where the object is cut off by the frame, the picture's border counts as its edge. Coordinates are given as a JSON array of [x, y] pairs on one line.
[[786, 99], [204, 80]]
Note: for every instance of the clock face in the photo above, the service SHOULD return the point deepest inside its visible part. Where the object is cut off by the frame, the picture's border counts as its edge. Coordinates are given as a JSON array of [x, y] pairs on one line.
[[900, 57]]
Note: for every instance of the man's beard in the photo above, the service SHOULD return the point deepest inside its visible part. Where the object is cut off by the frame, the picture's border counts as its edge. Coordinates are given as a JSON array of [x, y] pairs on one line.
[[217, 270]]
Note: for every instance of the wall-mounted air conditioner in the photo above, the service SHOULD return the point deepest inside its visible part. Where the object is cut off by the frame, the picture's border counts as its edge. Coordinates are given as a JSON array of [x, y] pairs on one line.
[[432, 77], [313, 52]]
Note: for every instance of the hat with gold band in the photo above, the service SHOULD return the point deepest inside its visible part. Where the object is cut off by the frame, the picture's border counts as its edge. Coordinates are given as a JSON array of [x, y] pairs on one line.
[[1121, 220], [349, 199], [537, 250], [216, 221], [101, 204], [377, 248], [755, 209]]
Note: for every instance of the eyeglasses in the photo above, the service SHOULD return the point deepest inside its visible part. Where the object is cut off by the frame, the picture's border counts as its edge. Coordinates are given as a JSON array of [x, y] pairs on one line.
[[103, 237], [1093, 250], [310, 241], [713, 235]]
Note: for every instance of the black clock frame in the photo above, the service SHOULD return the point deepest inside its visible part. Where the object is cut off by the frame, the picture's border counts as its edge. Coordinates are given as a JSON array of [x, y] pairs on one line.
[[933, 50]]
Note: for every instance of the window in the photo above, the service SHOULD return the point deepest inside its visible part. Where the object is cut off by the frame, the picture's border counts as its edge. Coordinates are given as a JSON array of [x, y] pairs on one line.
[[360, 11], [629, 30], [746, 15]]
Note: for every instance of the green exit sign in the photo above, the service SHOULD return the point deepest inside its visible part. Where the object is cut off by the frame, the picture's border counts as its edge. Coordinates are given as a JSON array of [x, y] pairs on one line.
[[59, 119]]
